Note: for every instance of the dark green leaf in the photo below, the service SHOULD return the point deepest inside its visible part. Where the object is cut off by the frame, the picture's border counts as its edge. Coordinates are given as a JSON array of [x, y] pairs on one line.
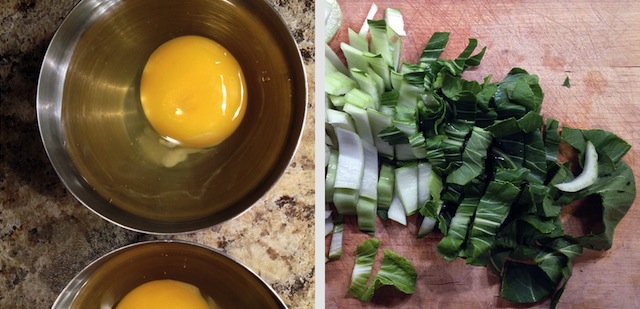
[[491, 212], [617, 192], [430, 208], [609, 146], [450, 245], [525, 283], [475, 59], [567, 246], [383, 214], [473, 157], [535, 156], [551, 141], [531, 199], [530, 122], [519, 88], [551, 263], [431, 114], [461, 60], [435, 47], [497, 261], [542, 225], [526, 150], [504, 127], [393, 136]]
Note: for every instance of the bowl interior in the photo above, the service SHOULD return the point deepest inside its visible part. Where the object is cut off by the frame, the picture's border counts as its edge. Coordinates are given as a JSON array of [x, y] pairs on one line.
[[106, 152], [106, 281]]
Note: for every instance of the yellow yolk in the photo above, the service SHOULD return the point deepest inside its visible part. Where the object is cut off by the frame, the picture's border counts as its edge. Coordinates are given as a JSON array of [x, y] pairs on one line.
[[193, 91], [164, 294]]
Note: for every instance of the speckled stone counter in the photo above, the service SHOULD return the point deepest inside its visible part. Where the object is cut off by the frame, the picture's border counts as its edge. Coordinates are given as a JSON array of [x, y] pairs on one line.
[[46, 236]]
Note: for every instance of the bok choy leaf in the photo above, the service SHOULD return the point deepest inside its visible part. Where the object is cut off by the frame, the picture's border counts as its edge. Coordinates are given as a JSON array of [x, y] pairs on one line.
[[365, 255], [396, 271]]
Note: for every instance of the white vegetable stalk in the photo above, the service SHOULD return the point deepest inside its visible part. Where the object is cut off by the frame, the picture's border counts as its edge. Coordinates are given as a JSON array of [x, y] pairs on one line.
[[386, 183], [367, 84], [340, 119], [367, 203], [335, 247], [407, 187], [327, 140], [354, 56], [369, 186], [589, 174], [328, 221], [365, 26], [336, 83], [332, 19], [327, 152], [380, 41], [426, 226], [332, 57], [424, 179], [396, 211], [361, 119], [395, 32], [358, 41], [394, 20], [379, 122], [330, 178], [349, 172]]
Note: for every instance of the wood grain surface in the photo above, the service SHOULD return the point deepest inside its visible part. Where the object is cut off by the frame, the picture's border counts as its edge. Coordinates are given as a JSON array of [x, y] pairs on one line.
[[597, 45]]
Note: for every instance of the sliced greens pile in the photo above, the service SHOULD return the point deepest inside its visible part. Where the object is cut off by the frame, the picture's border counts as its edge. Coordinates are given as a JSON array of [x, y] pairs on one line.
[[476, 160]]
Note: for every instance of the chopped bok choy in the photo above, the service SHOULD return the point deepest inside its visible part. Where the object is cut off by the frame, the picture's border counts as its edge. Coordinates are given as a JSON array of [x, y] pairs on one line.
[[475, 159]]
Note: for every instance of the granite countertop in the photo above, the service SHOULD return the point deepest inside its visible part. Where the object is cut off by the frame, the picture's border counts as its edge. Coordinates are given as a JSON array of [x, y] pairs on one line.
[[46, 236]]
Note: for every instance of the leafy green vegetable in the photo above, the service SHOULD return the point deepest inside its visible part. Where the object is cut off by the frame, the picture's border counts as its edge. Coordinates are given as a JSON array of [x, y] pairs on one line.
[[396, 271], [525, 283], [473, 157], [365, 254], [492, 210], [617, 192], [335, 247], [449, 246], [567, 82], [495, 179], [434, 48], [386, 182], [551, 141]]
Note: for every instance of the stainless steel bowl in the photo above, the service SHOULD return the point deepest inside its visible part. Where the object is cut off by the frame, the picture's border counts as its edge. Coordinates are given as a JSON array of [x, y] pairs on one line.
[[96, 136], [107, 280]]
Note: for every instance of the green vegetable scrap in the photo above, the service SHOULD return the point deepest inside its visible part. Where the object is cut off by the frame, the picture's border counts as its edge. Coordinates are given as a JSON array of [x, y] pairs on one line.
[[365, 255], [566, 82], [335, 246], [491, 181], [395, 270]]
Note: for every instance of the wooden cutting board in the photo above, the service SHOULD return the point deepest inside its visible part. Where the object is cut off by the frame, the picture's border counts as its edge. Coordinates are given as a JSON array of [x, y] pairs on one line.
[[597, 45]]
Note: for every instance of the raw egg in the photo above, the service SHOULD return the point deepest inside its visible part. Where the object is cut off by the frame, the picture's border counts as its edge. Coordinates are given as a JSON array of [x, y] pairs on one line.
[[165, 294], [193, 91]]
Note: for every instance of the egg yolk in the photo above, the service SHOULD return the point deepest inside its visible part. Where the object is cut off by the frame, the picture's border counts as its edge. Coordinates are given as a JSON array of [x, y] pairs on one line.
[[164, 294], [193, 91]]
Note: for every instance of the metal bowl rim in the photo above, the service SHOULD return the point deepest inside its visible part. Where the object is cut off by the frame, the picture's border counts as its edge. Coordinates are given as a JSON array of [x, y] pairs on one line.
[[80, 278]]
